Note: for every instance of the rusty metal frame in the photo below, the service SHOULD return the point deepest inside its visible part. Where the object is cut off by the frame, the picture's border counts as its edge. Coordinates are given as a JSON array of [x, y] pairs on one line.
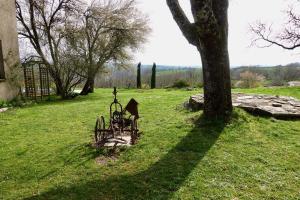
[[44, 81], [30, 68], [29, 80], [118, 124]]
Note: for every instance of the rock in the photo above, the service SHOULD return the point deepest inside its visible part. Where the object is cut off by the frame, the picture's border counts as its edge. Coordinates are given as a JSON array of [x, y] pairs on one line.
[[194, 102], [294, 83], [3, 110], [189, 89], [121, 141], [276, 105], [265, 105]]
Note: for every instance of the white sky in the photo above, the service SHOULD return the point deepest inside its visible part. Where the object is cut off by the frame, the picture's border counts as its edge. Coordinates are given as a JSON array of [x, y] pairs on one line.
[[167, 46]]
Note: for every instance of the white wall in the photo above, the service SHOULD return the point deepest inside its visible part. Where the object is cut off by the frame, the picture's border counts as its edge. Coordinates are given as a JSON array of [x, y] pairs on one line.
[[8, 35]]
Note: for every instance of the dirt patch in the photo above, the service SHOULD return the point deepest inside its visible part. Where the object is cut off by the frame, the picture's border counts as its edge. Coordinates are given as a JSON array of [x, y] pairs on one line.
[[104, 160]]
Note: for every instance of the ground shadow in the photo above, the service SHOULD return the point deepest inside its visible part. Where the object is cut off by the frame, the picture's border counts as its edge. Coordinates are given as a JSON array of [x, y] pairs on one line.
[[55, 100], [159, 181]]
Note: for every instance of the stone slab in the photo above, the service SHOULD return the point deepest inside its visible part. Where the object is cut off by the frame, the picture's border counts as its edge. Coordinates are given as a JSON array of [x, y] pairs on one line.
[[266, 105], [3, 110]]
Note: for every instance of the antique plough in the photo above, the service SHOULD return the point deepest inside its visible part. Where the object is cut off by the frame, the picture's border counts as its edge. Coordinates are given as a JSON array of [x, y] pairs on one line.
[[122, 129]]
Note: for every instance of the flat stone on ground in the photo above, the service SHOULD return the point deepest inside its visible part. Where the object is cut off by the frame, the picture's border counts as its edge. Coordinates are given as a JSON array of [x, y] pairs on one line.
[[118, 142], [3, 109], [266, 105]]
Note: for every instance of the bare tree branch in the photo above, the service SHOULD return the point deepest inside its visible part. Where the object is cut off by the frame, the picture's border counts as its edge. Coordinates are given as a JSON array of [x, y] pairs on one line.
[[186, 27], [287, 38], [265, 34]]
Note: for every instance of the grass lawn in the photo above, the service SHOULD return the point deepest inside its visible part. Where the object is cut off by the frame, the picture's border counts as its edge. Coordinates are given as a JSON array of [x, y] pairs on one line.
[[45, 152]]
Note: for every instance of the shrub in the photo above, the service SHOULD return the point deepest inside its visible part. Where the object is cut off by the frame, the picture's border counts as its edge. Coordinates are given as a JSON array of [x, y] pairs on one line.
[[277, 82], [250, 80], [199, 85], [2, 103], [145, 86], [16, 102], [181, 84], [234, 84]]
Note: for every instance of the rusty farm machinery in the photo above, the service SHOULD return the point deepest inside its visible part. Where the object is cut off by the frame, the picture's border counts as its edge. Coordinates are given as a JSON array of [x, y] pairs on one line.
[[122, 127]]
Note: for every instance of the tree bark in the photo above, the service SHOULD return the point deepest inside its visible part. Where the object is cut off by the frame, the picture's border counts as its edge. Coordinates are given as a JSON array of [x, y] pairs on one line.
[[216, 76], [56, 79], [60, 90], [209, 34], [88, 87]]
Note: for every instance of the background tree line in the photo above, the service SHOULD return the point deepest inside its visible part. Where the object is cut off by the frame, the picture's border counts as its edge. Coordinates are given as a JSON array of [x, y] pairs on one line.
[[273, 76], [192, 77], [165, 77]]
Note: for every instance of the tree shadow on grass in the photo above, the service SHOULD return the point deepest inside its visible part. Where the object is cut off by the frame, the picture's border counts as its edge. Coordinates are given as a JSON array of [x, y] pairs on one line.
[[159, 181], [58, 101]]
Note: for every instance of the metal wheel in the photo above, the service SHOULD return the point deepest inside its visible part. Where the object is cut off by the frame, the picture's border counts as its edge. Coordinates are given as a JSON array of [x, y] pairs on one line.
[[100, 134], [134, 131]]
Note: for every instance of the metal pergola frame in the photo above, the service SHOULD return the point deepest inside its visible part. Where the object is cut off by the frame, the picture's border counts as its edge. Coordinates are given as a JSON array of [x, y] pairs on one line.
[[36, 74]]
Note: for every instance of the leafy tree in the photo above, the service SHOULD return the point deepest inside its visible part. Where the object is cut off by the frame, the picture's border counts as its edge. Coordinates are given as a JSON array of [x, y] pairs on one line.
[[153, 76], [209, 33], [106, 34]]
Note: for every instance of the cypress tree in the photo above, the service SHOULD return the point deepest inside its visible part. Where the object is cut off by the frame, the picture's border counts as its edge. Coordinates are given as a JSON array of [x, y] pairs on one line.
[[138, 77], [153, 77]]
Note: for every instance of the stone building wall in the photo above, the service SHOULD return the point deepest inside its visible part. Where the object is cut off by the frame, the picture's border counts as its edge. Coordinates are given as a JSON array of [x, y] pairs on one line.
[[10, 49]]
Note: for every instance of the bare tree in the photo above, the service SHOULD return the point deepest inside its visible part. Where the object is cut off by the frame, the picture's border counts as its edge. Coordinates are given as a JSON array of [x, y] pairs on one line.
[[42, 22], [209, 33], [106, 34], [287, 38]]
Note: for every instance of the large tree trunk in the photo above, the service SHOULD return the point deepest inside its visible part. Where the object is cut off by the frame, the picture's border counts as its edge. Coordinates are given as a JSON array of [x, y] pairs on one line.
[[216, 76], [60, 90], [209, 34], [57, 81], [88, 86]]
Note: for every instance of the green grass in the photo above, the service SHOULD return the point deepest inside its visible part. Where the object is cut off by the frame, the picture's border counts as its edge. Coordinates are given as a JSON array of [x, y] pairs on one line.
[[284, 91], [45, 152]]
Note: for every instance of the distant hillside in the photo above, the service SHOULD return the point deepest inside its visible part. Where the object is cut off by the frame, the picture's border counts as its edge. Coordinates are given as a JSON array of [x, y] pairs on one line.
[[168, 75], [233, 68], [169, 67], [286, 72]]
